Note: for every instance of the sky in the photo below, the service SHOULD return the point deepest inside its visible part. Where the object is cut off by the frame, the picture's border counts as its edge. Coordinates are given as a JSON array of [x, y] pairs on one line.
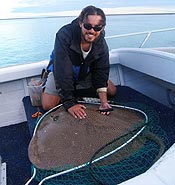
[[31, 8]]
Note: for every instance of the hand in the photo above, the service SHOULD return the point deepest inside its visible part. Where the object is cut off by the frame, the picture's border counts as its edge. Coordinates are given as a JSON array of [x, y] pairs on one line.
[[105, 109], [78, 111]]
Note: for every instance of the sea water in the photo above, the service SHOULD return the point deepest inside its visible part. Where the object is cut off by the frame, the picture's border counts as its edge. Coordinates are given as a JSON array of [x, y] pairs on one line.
[[31, 40]]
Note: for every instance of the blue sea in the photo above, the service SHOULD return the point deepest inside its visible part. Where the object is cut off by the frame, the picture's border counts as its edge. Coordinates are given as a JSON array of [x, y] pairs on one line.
[[31, 40]]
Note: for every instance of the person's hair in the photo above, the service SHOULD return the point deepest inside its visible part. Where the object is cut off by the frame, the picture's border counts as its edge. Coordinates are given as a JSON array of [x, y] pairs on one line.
[[92, 10]]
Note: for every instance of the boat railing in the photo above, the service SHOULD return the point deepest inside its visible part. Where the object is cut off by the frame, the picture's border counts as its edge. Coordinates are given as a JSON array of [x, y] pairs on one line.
[[146, 38]]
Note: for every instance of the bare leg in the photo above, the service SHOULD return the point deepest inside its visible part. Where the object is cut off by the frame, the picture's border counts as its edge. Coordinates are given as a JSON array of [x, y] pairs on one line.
[[111, 89], [49, 101]]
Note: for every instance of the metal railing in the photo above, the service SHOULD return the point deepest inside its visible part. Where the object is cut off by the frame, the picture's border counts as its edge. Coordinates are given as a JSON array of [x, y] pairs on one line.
[[148, 34]]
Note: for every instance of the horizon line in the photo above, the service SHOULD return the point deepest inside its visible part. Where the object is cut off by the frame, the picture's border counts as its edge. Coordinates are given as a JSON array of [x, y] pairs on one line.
[[110, 14]]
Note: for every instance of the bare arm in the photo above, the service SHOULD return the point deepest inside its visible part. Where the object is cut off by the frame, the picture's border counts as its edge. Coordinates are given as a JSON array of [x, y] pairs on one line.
[[104, 103]]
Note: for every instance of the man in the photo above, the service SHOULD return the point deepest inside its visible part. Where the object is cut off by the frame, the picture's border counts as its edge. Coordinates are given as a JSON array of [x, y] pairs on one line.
[[81, 61]]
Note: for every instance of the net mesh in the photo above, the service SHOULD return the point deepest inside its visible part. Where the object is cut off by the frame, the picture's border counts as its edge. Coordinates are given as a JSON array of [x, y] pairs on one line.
[[131, 160], [127, 162]]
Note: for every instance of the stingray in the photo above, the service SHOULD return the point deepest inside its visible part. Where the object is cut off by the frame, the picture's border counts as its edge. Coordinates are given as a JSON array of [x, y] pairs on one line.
[[61, 141]]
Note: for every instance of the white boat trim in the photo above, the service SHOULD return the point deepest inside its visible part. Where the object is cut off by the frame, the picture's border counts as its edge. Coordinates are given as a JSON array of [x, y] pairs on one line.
[[161, 173], [21, 71], [161, 64], [3, 174]]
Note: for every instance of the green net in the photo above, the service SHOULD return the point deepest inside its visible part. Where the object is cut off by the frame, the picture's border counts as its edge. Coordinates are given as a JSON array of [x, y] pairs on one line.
[[128, 161]]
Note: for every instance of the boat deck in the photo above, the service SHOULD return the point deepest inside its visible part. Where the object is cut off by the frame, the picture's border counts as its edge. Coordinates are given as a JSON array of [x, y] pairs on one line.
[[15, 138]]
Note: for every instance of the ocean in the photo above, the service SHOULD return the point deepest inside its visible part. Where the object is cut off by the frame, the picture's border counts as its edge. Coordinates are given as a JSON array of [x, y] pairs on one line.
[[31, 40]]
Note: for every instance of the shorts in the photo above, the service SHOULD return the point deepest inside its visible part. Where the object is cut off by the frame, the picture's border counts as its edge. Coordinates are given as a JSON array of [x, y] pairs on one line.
[[50, 87], [83, 88]]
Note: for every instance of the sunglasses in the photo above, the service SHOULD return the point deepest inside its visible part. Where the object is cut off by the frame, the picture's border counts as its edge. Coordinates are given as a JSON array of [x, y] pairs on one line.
[[89, 27]]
